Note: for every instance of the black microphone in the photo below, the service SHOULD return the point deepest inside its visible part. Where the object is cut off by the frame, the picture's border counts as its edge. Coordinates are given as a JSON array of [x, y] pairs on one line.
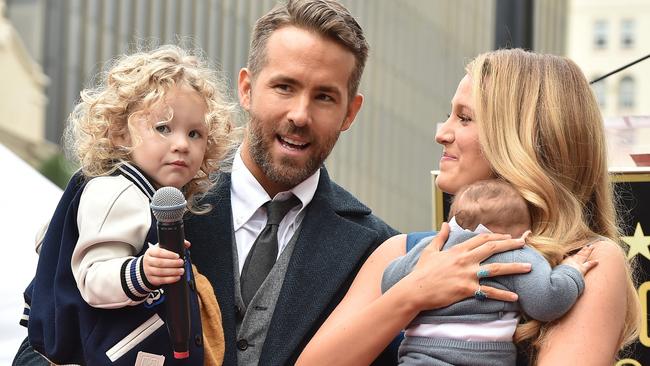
[[168, 206]]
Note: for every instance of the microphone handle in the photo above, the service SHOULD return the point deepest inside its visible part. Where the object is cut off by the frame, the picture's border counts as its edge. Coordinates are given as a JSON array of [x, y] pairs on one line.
[[177, 304]]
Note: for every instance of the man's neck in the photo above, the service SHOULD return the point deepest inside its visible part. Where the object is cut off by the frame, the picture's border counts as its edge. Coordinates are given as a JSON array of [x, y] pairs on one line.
[[272, 188]]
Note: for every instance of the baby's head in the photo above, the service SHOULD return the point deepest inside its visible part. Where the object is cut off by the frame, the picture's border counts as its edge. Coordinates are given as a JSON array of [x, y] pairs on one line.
[[493, 203], [134, 107]]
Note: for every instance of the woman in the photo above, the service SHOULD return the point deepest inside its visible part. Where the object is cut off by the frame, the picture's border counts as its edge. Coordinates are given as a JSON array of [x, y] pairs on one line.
[[532, 120]]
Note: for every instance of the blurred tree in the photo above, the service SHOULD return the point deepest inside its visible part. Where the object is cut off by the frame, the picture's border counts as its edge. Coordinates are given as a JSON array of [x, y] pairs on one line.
[[57, 169]]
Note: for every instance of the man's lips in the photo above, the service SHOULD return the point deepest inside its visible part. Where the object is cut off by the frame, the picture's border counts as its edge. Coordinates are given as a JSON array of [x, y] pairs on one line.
[[292, 143]]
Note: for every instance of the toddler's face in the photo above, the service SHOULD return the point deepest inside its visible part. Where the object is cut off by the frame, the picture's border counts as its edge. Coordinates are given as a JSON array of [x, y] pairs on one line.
[[170, 151]]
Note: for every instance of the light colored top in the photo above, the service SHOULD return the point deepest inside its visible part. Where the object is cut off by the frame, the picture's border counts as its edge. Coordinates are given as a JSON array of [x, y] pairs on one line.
[[113, 221], [249, 217]]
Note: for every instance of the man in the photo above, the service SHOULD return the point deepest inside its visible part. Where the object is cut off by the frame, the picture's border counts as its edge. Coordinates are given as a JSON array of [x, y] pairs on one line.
[[300, 91]]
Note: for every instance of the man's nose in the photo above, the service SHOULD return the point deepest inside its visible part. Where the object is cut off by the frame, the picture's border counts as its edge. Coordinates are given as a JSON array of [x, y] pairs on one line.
[[299, 113]]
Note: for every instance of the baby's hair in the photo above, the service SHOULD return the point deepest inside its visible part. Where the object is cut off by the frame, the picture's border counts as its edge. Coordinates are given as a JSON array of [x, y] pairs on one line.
[[493, 203], [125, 93]]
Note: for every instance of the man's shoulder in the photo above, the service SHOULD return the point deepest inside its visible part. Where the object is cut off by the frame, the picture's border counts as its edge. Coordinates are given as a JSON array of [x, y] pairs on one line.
[[347, 205], [345, 202]]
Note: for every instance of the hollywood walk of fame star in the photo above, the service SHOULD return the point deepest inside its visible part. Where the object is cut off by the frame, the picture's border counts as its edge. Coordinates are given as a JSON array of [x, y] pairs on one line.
[[638, 243]]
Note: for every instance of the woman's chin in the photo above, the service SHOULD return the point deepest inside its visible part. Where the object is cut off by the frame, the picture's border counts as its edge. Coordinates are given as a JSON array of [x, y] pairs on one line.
[[445, 185]]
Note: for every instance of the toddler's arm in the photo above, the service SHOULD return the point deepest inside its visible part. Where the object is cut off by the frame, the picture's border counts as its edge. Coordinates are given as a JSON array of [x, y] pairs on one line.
[[113, 219]]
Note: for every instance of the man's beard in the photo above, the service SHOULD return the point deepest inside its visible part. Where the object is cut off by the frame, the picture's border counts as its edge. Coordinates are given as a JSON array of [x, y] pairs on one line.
[[287, 172]]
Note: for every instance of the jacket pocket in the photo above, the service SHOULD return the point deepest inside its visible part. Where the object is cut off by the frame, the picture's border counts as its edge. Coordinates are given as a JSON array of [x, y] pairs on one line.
[[135, 337]]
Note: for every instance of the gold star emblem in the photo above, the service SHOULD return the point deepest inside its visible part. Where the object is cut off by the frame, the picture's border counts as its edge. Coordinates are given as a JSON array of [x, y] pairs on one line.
[[638, 243]]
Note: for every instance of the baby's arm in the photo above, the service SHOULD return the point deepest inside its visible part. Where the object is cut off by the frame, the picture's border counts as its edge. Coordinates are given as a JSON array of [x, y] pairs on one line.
[[113, 221], [547, 293], [580, 260], [402, 266]]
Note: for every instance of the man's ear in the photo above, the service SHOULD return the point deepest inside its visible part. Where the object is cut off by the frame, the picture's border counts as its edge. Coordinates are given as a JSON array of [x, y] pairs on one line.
[[353, 108], [244, 88]]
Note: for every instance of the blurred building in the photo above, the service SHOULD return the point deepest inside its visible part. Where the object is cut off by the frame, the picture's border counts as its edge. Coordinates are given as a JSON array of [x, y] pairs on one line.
[[418, 52], [605, 35], [23, 102]]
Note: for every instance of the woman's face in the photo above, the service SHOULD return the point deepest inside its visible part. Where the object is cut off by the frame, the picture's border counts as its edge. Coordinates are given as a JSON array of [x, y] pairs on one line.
[[462, 161]]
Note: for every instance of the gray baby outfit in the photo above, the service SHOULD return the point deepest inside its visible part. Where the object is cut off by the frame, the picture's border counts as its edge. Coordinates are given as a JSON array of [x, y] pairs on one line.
[[545, 294]]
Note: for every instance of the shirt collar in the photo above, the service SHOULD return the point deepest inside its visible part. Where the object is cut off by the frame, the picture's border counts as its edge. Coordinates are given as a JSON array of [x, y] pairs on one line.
[[248, 195], [453, 226]]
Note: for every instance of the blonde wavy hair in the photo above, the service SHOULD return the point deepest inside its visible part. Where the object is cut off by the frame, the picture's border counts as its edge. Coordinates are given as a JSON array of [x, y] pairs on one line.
[[541, 130], [126, 92]]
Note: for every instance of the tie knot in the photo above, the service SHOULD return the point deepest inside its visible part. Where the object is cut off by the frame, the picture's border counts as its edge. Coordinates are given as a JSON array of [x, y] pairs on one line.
[[277, 209]]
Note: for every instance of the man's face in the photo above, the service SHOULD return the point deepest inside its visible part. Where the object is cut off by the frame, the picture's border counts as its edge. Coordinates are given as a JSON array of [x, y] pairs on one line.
[[298, 104]]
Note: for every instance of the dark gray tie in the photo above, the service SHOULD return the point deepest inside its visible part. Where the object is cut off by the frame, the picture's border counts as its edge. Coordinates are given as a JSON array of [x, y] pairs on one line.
[[262, 255]]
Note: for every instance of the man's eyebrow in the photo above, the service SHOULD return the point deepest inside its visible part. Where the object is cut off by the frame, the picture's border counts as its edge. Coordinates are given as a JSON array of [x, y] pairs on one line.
[[284, 80]]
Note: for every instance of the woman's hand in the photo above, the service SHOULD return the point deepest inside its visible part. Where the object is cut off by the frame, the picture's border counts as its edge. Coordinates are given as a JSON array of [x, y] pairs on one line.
[[366, 321], [441, 278]]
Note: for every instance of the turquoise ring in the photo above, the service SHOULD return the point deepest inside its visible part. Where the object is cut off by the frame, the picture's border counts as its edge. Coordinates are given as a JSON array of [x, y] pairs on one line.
[[480, 295], [482, 272]]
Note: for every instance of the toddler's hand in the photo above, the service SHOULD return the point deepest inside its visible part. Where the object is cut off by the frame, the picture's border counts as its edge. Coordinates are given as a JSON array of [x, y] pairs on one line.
[[161, 266], [580, 260]]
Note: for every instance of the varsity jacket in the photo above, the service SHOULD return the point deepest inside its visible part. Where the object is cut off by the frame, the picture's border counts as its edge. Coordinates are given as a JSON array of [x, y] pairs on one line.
[[127, 320]]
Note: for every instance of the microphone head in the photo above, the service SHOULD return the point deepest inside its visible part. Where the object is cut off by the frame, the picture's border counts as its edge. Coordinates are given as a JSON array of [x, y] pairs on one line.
[[168, 204]]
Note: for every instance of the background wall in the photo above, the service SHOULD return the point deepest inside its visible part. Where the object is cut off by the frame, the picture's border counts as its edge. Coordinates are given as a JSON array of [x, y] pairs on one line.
[[418, 52]]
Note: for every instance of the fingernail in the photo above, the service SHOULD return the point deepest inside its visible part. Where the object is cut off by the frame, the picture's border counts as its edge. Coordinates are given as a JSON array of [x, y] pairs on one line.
[[528, 266]]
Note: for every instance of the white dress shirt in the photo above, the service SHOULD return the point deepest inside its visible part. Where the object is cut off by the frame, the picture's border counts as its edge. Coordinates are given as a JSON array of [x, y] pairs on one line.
[[248, 215]]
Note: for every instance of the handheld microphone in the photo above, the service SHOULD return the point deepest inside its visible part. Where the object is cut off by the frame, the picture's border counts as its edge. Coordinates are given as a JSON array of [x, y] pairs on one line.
[[168, 207]]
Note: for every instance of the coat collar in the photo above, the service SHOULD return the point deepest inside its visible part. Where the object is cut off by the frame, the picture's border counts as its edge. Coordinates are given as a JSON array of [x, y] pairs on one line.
[[328, 253]]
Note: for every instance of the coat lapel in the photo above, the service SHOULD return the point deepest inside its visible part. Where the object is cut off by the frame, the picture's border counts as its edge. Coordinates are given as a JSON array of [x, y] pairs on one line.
[[213, 257], [323, 262]]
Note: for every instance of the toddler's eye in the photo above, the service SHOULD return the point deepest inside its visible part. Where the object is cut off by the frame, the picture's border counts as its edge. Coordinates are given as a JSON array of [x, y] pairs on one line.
[[162, 128], [194, 134]]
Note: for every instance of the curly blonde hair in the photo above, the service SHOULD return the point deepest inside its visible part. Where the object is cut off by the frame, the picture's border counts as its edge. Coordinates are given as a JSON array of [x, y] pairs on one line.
[[541, 130], [126, 91]]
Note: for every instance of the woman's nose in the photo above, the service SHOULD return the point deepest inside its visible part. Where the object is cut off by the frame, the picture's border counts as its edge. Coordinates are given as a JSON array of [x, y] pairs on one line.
[[444, 134]]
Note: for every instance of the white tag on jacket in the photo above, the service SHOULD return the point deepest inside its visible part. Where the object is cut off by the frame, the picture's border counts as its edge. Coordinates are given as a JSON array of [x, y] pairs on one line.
[[149, 359]]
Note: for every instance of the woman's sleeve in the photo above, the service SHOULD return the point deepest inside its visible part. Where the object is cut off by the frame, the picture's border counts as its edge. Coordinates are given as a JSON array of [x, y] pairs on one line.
[[113, 220]]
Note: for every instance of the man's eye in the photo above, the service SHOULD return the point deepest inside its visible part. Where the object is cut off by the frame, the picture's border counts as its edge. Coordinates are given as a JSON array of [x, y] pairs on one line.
[[325, 98], [284, 88]]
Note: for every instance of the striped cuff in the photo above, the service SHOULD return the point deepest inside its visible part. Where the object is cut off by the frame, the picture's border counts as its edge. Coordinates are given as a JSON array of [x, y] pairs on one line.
[[134, 282], [25, 318]]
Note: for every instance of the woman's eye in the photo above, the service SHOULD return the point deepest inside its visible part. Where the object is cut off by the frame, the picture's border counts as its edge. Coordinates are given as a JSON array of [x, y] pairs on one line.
[[463, 118], [162, 128]]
